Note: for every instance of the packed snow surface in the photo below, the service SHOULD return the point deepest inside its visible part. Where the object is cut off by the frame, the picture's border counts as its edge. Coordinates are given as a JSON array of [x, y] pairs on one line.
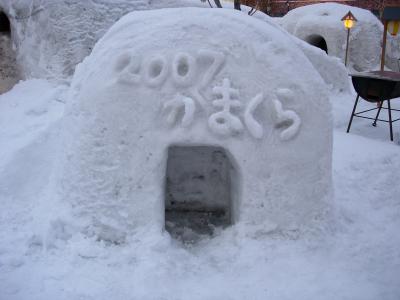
[[153, 82], [52, 36], [46, 258], [45, 255]]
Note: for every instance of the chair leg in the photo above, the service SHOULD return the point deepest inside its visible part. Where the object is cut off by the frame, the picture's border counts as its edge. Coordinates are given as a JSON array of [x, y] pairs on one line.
[[352, 114], [390, 121], [377, 115]]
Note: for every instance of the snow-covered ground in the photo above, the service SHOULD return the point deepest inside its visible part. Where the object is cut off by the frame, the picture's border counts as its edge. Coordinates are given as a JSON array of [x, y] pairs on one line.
[[360, 259], [44, 254]]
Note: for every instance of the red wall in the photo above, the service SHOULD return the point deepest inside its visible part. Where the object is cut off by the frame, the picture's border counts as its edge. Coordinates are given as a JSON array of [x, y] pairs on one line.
[[281, 7]]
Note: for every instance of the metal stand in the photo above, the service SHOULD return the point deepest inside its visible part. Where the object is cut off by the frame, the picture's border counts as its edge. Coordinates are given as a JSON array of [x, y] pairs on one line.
[[352, 114], [390, 121], [347, 46], [377, 115], [359, 115]]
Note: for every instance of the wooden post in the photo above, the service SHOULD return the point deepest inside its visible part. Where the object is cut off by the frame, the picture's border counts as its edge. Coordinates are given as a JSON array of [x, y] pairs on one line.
[[384, 45], [236, 4], [347, 46]]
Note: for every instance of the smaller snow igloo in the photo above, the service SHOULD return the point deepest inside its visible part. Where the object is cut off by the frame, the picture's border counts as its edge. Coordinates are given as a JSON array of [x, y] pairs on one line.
[[174, 124], [320, 25]]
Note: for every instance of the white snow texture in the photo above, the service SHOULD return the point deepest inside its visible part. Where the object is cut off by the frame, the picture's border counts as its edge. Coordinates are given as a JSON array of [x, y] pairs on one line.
[[118, 134], [324, 20], [82, 165], [52, 36]]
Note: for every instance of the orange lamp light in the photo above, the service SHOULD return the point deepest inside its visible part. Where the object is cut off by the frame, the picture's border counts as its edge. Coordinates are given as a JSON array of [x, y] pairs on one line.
[[393, 27], [349, 20]]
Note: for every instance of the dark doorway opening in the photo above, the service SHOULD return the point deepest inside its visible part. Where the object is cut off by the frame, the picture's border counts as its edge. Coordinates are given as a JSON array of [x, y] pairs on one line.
[[198, 191], [317, 41], [9, 71], [5, 27]]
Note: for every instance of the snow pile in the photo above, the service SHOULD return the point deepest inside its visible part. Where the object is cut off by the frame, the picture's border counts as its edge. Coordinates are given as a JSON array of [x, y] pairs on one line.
[[26, 113], [52, 36], [29, 145], [154, 81], [312, 23], [331, 69]]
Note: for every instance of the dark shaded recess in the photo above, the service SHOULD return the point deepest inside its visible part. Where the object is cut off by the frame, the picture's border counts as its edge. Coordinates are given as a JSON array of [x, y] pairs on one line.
[[197, 191], [5, 27], [318, 41]]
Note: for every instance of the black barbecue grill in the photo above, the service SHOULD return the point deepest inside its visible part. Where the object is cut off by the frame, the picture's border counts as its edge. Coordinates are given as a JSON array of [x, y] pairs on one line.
[[376, 87]]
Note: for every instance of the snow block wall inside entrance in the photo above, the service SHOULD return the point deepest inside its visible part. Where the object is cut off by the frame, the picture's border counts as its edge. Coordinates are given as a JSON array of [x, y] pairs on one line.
[[196, 77], [313, 22]]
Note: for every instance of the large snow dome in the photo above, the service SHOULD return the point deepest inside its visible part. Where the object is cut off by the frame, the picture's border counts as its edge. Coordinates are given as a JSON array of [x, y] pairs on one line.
[[321, 26], [183, 116]]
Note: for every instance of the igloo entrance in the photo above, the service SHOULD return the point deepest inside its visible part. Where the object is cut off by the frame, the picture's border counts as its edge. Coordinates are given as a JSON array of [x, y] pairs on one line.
[[317, 41], [4, 24], [9, 74], [199, 190]]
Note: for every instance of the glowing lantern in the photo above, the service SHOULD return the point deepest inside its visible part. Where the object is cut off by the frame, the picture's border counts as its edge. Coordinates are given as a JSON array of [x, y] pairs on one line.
[[391, 22], [348, 23], [349, 20], [393, 27]]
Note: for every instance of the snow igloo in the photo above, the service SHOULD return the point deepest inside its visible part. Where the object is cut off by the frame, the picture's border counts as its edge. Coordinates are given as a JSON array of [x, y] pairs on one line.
[[174, 124], [320, 25]]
